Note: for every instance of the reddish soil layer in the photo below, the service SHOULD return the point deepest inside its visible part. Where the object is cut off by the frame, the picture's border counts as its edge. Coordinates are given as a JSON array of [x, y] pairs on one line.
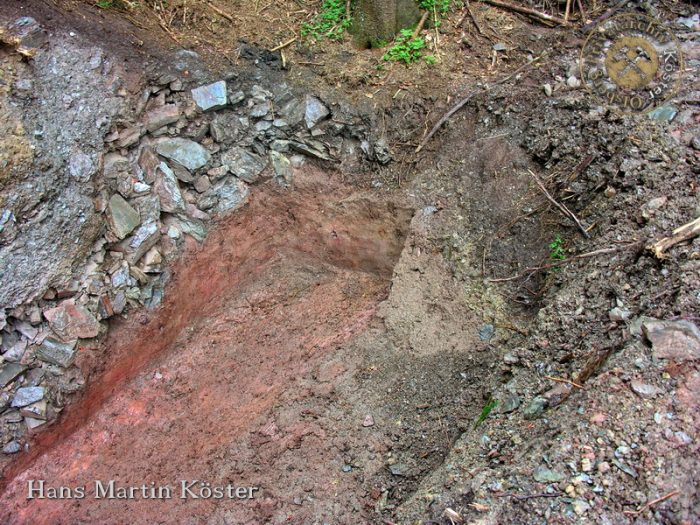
[[274, 288]]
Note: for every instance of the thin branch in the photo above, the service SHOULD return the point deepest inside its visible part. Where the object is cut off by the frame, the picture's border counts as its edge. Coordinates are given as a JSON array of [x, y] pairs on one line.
[[651, 503], [282, 46], [595, 253], [562, 380], [562, 208], [220, 12], [463, 102], [420, 25], [527, 11]]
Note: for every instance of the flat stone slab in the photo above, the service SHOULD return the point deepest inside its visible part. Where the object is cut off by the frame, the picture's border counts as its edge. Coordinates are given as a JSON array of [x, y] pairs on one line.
[[162, 116], [57, 352], [211, 96], [677, 340], [9, 372], [27, 395], [184, 151], [121, 216], [71, 321]]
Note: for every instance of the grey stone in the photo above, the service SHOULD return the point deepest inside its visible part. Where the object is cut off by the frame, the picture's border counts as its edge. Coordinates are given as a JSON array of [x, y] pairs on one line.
[[184, 151], [168, 190], [398, 469], [261, 110], [11, 448], [33, 422], [15, 352], [293, 112], [202, 184], [35, 410], [27, 395], [619, 314], [573, 82], [81, 166], [676, 340], [315, 111], [122, 218], [71, 321], [114, 163], [548, 90], [145, 237], [545, 475], [535, 408], [486, 332], [9, 373], [243, 164], [510, 403], [211, 96], [282, 166], [162, 116], [311, 149], [663, 113], [57, 352], [233, 193], [695, 143], [191, 227], [643, 390], [235, 98], [129, 136], [263, 126], [224, 127]]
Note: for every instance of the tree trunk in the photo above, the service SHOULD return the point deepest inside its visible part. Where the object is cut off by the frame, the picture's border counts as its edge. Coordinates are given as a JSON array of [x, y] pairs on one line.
[[377, 21]]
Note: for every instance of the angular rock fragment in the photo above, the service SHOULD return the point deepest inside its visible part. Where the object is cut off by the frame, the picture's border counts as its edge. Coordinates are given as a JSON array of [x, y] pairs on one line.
[[35, 410], [71, 321], [144, 239], [243, 164], [282, 166], [114, 163], [233, 193], [9, 373], [122, 218], [162, 116], [129, 136], [315, 111], [27, 395], [677, 340], [186, 152], [168, 191], [57, 352], [211, 96]]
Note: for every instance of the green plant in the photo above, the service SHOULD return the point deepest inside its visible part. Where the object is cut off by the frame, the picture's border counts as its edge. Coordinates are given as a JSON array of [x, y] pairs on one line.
[[488, 407], [104, 4], [430, 59], [406, 49], [331, 22], [441, 6], [556, 247]]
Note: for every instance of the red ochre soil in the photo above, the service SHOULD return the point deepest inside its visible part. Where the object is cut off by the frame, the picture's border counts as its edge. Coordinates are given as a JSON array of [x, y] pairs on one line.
[[276, 287]]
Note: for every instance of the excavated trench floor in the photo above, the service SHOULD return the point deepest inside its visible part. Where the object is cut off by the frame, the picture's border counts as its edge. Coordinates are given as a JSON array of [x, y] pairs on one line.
[[274, 289]]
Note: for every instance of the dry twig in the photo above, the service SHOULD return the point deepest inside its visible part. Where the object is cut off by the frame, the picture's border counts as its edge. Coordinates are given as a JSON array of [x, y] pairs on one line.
[[220, 12], [562, 380], [651, 503], [595, 253], [561, 207], [463, 102], [282, 46], [685, 232], [420, 25], [544, 17]]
